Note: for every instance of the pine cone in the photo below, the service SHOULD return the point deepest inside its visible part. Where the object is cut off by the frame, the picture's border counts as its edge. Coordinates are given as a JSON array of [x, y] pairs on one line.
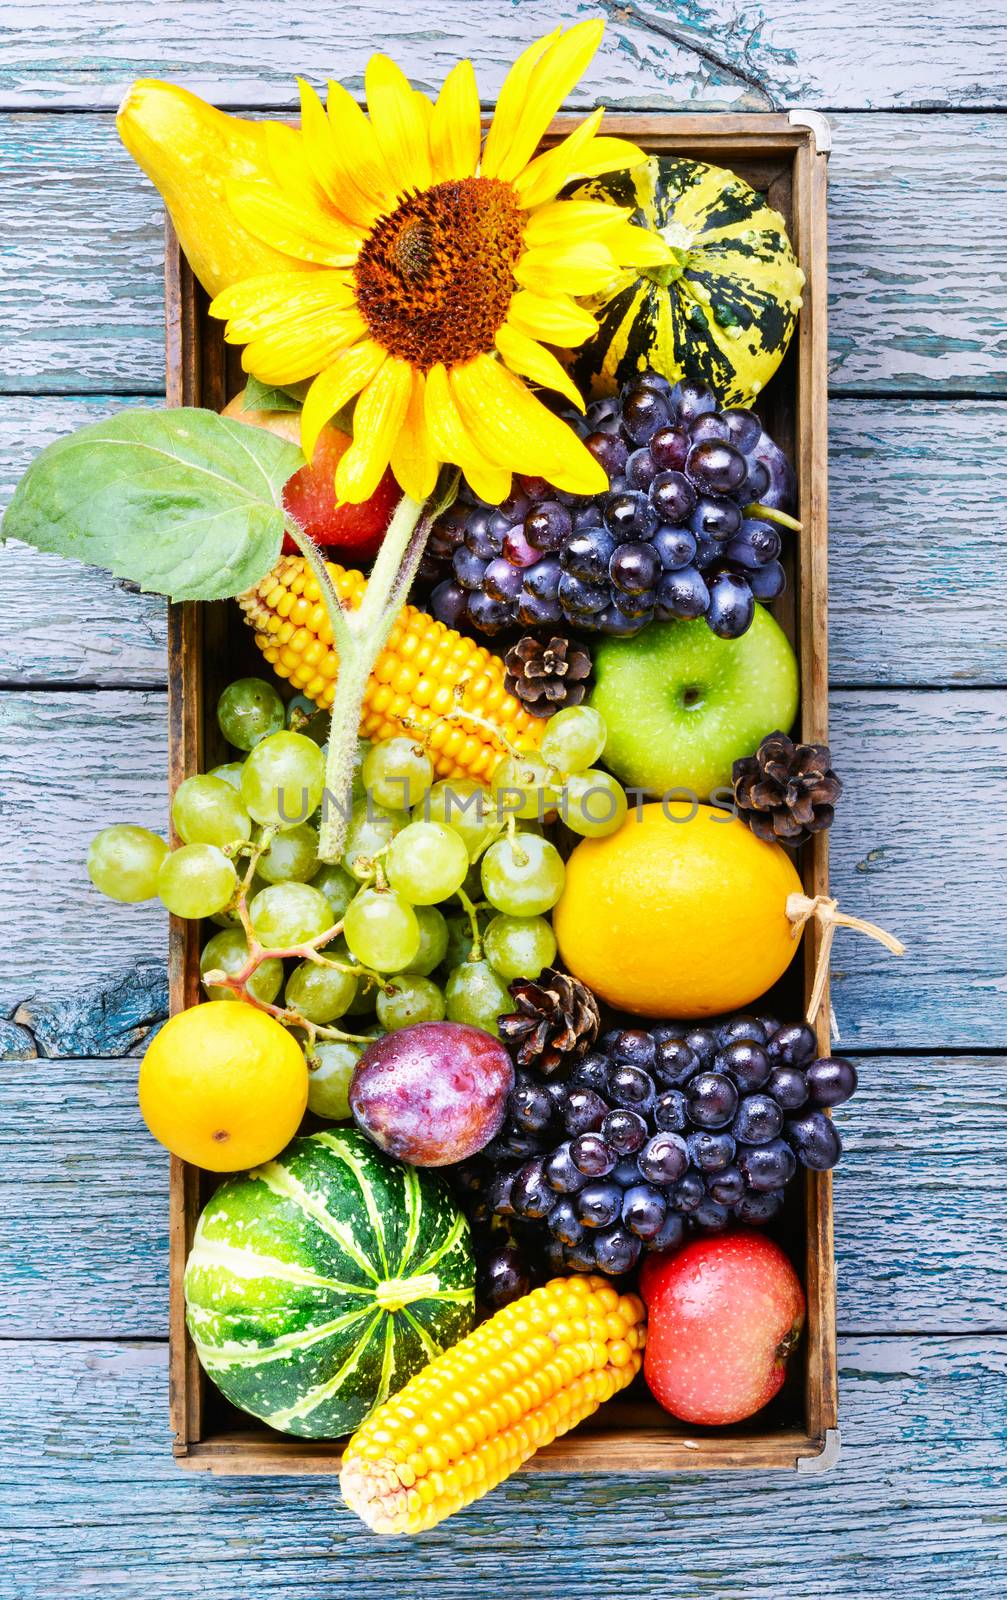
[[547, 674], [785, 791], [556, 1021]]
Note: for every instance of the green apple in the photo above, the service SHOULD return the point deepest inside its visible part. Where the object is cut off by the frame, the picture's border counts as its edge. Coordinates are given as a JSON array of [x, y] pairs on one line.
[[681, 705]]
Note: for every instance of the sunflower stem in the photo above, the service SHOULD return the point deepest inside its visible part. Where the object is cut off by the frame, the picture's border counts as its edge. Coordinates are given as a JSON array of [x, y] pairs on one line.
[[360, 642]]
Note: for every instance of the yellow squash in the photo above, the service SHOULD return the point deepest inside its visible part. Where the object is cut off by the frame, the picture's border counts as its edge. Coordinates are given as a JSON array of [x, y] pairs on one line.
[[190, 151]]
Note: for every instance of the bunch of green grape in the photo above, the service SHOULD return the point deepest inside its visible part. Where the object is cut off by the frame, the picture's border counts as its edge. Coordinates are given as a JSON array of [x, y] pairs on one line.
[[442, 894]]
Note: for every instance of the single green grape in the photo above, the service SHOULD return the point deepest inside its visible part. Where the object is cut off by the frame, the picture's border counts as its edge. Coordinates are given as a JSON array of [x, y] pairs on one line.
[[319, 993], [466, 807], [362, 1003], [285, 914], [574, 738], [381, 930], [123, 862], [283, 779], [427, 863], [408, 999], [433, 940], [230, 772], [524, 878], [249, 710], [292, 855], [206, 810], [523, 787], [594, 803], [519, 947], [228, 952], [397, 773], [196, 880], [336, 885], [330, 1068], [476, 994], [370, 830]]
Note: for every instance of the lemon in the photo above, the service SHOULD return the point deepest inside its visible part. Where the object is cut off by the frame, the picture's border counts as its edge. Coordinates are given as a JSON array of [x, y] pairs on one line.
[[682, 913], [223, 1086]]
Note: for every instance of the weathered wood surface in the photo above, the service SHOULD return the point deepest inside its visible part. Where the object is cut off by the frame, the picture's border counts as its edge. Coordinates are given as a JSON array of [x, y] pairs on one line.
[[901, 580], [657, 53], [916, 265], [914, 762], [93, 1506], [89, 1501], [83, 1201]]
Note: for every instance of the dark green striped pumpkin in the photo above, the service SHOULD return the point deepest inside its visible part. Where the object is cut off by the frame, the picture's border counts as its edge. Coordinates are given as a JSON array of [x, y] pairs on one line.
[[722, 312], [319, 1283]]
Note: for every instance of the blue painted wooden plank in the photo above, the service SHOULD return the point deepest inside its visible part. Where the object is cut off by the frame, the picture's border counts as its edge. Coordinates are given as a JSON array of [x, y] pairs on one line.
[[83, 1191], [656, 52], [93, 1506], [915, 302], [75, 761], [910, 545]]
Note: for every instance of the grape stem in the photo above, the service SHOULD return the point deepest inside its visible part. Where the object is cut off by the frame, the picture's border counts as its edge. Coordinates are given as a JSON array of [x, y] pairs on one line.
[[309, 950], [360, 636], [770, 514], [476, 953]]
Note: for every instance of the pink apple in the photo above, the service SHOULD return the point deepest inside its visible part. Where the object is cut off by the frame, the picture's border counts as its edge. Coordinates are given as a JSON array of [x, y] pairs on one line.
[[310, 496], [723, 1315]]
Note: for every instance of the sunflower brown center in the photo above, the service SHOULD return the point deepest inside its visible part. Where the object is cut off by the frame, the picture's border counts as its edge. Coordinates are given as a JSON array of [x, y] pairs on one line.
[[435, 277]]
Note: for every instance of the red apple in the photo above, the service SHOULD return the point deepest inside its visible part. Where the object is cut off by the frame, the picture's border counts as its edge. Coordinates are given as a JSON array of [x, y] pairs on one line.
[[723, 1315], [310, 495]]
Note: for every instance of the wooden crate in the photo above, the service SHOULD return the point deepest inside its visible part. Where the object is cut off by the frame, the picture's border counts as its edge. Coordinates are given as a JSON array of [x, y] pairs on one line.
[[210, 645]]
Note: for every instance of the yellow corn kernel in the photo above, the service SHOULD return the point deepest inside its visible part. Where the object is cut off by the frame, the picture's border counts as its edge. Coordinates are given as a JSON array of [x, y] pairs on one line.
[[426, 673], [519, 1380]]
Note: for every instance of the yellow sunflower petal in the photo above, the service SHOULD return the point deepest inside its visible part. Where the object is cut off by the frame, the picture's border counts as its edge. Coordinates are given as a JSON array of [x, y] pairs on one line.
[[545, 176], [413, 460], [297, 229], [555, 318], [578, 269], [588, 159], [303, 348], [637, 247], [377, 421], [511, 103], [327, 164], [284, 152], [563, 221], [453, 442], [398, 124], [552, 79], [528, 358], [455, 130], [251, 304], [335, 386], [512, 426], [362, 164]]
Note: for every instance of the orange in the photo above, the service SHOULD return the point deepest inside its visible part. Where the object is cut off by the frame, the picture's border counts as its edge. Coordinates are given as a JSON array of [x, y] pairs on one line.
[[682, 913], [223, 1086]]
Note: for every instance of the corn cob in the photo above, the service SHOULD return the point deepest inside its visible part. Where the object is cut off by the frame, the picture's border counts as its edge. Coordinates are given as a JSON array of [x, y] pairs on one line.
[[425, 675], [469, 1419]]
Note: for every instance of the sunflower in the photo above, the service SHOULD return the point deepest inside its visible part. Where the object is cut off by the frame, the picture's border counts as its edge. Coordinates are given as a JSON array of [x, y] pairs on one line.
[[430, 272]]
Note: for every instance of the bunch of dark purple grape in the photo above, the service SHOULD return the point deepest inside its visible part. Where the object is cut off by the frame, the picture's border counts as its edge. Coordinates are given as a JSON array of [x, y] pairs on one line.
[[659, 1133], [677, 534]]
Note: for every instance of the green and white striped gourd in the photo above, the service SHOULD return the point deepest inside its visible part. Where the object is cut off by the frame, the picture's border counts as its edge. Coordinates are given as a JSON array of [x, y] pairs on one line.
[[721, 312], [319, 1283]]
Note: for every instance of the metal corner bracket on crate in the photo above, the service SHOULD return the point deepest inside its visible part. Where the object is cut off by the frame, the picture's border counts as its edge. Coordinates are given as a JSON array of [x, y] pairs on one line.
[[826, 1458]]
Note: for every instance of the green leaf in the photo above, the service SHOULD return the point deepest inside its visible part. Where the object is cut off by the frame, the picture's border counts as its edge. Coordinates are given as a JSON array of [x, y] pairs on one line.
[[262, 397], [184, 502]]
